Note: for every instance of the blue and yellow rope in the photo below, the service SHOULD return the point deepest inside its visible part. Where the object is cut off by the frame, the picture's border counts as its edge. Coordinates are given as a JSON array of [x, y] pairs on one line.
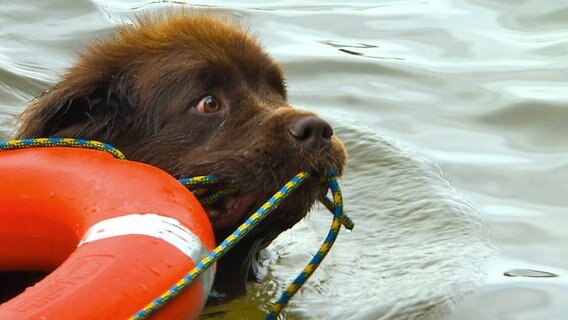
[[199, 180], [345, 220], [201, 193], [339, 218], [335, 206], [61, 142]]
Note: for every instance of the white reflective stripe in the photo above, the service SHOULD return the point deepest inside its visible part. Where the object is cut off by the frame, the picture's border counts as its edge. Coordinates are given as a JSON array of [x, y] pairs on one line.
[[165, 228]]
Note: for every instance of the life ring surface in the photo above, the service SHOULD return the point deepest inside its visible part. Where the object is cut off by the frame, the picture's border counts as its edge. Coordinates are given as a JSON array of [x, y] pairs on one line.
[[115, 234]]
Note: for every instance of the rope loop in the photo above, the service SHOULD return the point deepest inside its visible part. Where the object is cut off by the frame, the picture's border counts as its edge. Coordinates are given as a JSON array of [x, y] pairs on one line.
[[339, 218]]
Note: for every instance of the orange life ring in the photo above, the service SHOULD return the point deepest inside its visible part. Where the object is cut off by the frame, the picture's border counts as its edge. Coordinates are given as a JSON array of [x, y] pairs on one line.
[[116, 233]]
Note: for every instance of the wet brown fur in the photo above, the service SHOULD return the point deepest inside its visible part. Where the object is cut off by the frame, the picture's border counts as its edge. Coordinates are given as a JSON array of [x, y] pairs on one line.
[[138, 91]]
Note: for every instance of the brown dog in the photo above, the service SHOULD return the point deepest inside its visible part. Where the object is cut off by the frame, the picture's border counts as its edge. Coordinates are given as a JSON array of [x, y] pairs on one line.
[[195, 95]]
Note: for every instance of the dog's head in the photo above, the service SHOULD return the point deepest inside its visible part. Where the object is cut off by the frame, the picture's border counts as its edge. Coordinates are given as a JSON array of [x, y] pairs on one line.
[[195, 95]]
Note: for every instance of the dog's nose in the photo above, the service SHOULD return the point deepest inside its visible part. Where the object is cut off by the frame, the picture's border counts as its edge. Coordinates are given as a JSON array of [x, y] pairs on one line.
[[312, 132]]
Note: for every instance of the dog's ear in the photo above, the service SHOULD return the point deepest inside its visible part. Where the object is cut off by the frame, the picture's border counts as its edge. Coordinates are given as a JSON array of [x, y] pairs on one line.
[[80, 106]]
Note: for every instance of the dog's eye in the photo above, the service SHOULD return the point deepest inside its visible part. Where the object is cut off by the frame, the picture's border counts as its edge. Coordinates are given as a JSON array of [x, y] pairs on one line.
[[209, 104]]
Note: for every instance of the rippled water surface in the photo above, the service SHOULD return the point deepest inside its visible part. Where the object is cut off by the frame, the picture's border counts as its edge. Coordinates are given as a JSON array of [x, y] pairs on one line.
[[477, 87]]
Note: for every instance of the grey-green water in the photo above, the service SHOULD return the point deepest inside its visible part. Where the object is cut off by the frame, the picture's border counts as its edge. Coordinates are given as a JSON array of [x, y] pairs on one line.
[[478, 87]]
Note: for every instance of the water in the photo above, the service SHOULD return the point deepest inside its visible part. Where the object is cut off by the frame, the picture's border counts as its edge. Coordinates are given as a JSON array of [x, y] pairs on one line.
[[478, 87]]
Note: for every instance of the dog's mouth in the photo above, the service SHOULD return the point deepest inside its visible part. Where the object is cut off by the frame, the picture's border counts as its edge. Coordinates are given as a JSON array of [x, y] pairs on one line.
[[231, 209]]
